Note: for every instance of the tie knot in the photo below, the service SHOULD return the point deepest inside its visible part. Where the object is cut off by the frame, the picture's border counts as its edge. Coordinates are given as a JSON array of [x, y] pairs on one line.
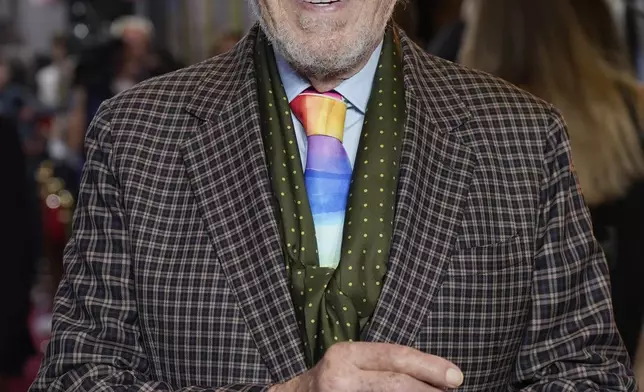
[[321, 113]]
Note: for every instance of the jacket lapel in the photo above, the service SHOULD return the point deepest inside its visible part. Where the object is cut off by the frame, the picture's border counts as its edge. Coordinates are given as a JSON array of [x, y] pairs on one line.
[[435, 173], [226, 165]]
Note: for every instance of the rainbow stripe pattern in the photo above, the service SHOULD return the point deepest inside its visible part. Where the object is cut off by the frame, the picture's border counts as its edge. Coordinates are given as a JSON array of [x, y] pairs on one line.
[[328, 169]]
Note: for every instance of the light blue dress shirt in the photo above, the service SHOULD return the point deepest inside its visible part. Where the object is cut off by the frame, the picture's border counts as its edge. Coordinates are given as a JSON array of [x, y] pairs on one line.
[[356, 90]]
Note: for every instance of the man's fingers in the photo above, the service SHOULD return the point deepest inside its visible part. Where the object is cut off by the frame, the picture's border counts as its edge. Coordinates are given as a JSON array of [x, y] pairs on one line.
[[382, 357], [388, 381]]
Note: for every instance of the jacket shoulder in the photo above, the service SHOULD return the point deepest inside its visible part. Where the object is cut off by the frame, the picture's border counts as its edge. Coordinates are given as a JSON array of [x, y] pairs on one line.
[[499, 111], [486, 94], [173, 89]]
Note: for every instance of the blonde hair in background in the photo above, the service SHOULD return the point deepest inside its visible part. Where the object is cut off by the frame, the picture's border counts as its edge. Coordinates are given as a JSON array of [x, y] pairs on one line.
[[539, 46]]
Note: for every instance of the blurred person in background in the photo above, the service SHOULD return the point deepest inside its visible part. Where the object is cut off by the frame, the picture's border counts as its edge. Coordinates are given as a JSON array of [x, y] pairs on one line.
[[19, 103], [106, 70], [53, 80], [603, 30], [568, 53], [16, 100], [17, 267]]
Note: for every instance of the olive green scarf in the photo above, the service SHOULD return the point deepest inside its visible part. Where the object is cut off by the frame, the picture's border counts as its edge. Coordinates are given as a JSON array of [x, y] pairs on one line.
[[334, 305]]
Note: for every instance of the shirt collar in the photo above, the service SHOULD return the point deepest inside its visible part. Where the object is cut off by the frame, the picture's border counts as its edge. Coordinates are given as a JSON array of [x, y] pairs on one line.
[[356, 89]]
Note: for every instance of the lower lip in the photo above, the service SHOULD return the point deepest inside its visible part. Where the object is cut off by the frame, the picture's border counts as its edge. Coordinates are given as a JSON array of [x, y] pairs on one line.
[[338, 5]]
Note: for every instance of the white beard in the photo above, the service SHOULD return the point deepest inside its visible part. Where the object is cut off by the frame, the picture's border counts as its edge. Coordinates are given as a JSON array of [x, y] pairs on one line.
[[320, 58]]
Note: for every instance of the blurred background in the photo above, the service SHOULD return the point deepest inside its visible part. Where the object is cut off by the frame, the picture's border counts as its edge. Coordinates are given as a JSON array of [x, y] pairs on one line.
[[59, 59]]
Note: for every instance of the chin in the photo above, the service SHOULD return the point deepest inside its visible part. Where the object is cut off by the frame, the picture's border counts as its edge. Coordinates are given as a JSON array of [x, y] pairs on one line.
[[322, 61], [323, 51]]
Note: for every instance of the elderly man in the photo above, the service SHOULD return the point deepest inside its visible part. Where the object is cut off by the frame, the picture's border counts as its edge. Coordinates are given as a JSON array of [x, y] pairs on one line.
[[328, 208]]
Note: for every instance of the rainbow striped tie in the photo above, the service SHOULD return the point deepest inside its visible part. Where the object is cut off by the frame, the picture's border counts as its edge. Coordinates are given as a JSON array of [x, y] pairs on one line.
[[328, 169]]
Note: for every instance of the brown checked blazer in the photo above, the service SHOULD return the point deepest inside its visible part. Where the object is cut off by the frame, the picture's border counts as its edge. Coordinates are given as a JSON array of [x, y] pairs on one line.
[[174, 278]]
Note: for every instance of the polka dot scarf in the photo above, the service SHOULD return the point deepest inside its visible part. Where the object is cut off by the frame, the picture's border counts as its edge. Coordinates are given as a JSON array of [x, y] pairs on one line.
[[334, 305]]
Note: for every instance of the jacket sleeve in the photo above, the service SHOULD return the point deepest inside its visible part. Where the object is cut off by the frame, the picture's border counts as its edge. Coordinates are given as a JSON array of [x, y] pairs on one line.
[[571, 342], [96, 342]]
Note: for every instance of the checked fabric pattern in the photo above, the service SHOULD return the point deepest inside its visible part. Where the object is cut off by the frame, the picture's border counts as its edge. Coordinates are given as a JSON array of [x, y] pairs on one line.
[[174, 277]]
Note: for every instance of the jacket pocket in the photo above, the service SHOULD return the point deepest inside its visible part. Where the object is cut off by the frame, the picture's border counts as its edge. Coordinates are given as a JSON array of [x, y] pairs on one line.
[[511, 252]]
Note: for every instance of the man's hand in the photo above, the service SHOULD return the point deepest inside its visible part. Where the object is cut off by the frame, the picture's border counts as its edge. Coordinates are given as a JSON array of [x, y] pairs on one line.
[[375, 367]]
